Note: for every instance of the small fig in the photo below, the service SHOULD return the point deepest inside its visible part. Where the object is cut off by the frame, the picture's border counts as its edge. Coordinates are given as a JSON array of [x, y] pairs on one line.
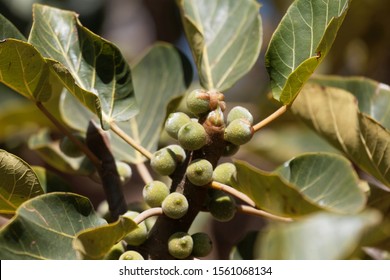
[[202, 244], [222, 206], [225, 173], [163, 162], [238, 132], [239, 112], [69, 148], [192, 136], [175, 205], [198, 102], [137, 236], [200, 172], [131, 256], [174, 122], [180, 245], [154, 193]]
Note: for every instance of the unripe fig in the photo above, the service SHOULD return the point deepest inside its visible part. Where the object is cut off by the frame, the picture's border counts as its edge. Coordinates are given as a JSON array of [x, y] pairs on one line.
[[222, 206], [180, 245], [239, 112], [202, 244], [175, 205], [178, 151], [154, 193], [200, 172], [69, 148], [192, 136], [163, 162], [230, 149], [131, 256], [124, 171], [174, 122], [225, 173], [137, 236], [238, 132], [198, 102]]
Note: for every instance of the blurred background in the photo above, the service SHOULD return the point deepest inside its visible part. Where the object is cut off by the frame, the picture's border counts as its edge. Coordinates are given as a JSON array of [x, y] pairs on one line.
[[362, 48]]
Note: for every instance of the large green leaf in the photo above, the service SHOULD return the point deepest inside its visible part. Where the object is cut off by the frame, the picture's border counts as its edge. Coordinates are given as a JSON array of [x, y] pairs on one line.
[[225, 38], [90, 67], [334, 114], [45, 227], [18, 183], [373, 97], [321, 236], [301, 41], [23, 69], [303, 185], [8, 30], [95, 243], [158, 77], [49, 150]]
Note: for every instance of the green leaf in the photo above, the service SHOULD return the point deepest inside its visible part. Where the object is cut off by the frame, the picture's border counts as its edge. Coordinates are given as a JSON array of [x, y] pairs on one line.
[[373, 97], [321, 236], [95, 243], [334, 114], [18, 183], [91, 68], [50, 152], [158, 78], [23, 69], [44, 227], [8, 30], [225, 37], [305, 184], [300, 43]]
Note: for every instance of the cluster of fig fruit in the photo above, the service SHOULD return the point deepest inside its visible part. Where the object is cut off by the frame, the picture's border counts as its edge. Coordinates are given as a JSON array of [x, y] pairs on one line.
[[191, 135]]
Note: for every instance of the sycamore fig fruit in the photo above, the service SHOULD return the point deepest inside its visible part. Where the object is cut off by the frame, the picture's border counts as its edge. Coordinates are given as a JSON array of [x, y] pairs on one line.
[[178, 151], [239, 112], [225, 173], [192, 136], [180, 245], [154, 193], [163, 162], [202, 244], [238, 132], [175, 205], [222, 206], [174, 122], [124, 171], [131, 256], [198, 102], [230, 149], [69, 148], [200, 172], [137, 236]]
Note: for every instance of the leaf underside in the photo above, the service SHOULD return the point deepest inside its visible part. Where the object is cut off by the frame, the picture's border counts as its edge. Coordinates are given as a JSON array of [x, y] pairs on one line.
[[300, 43], [225, 38]]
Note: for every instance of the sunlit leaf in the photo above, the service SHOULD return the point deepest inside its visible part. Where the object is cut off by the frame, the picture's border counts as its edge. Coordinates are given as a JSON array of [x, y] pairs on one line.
[[373, 97], [300, 43], [18, 182], [23, 69], [8, 30], [321, 236], [334, 114], [158, 78], [225, 38], [44, 227], [51, 153], [91, 68], [95, 243], [305, 184]]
